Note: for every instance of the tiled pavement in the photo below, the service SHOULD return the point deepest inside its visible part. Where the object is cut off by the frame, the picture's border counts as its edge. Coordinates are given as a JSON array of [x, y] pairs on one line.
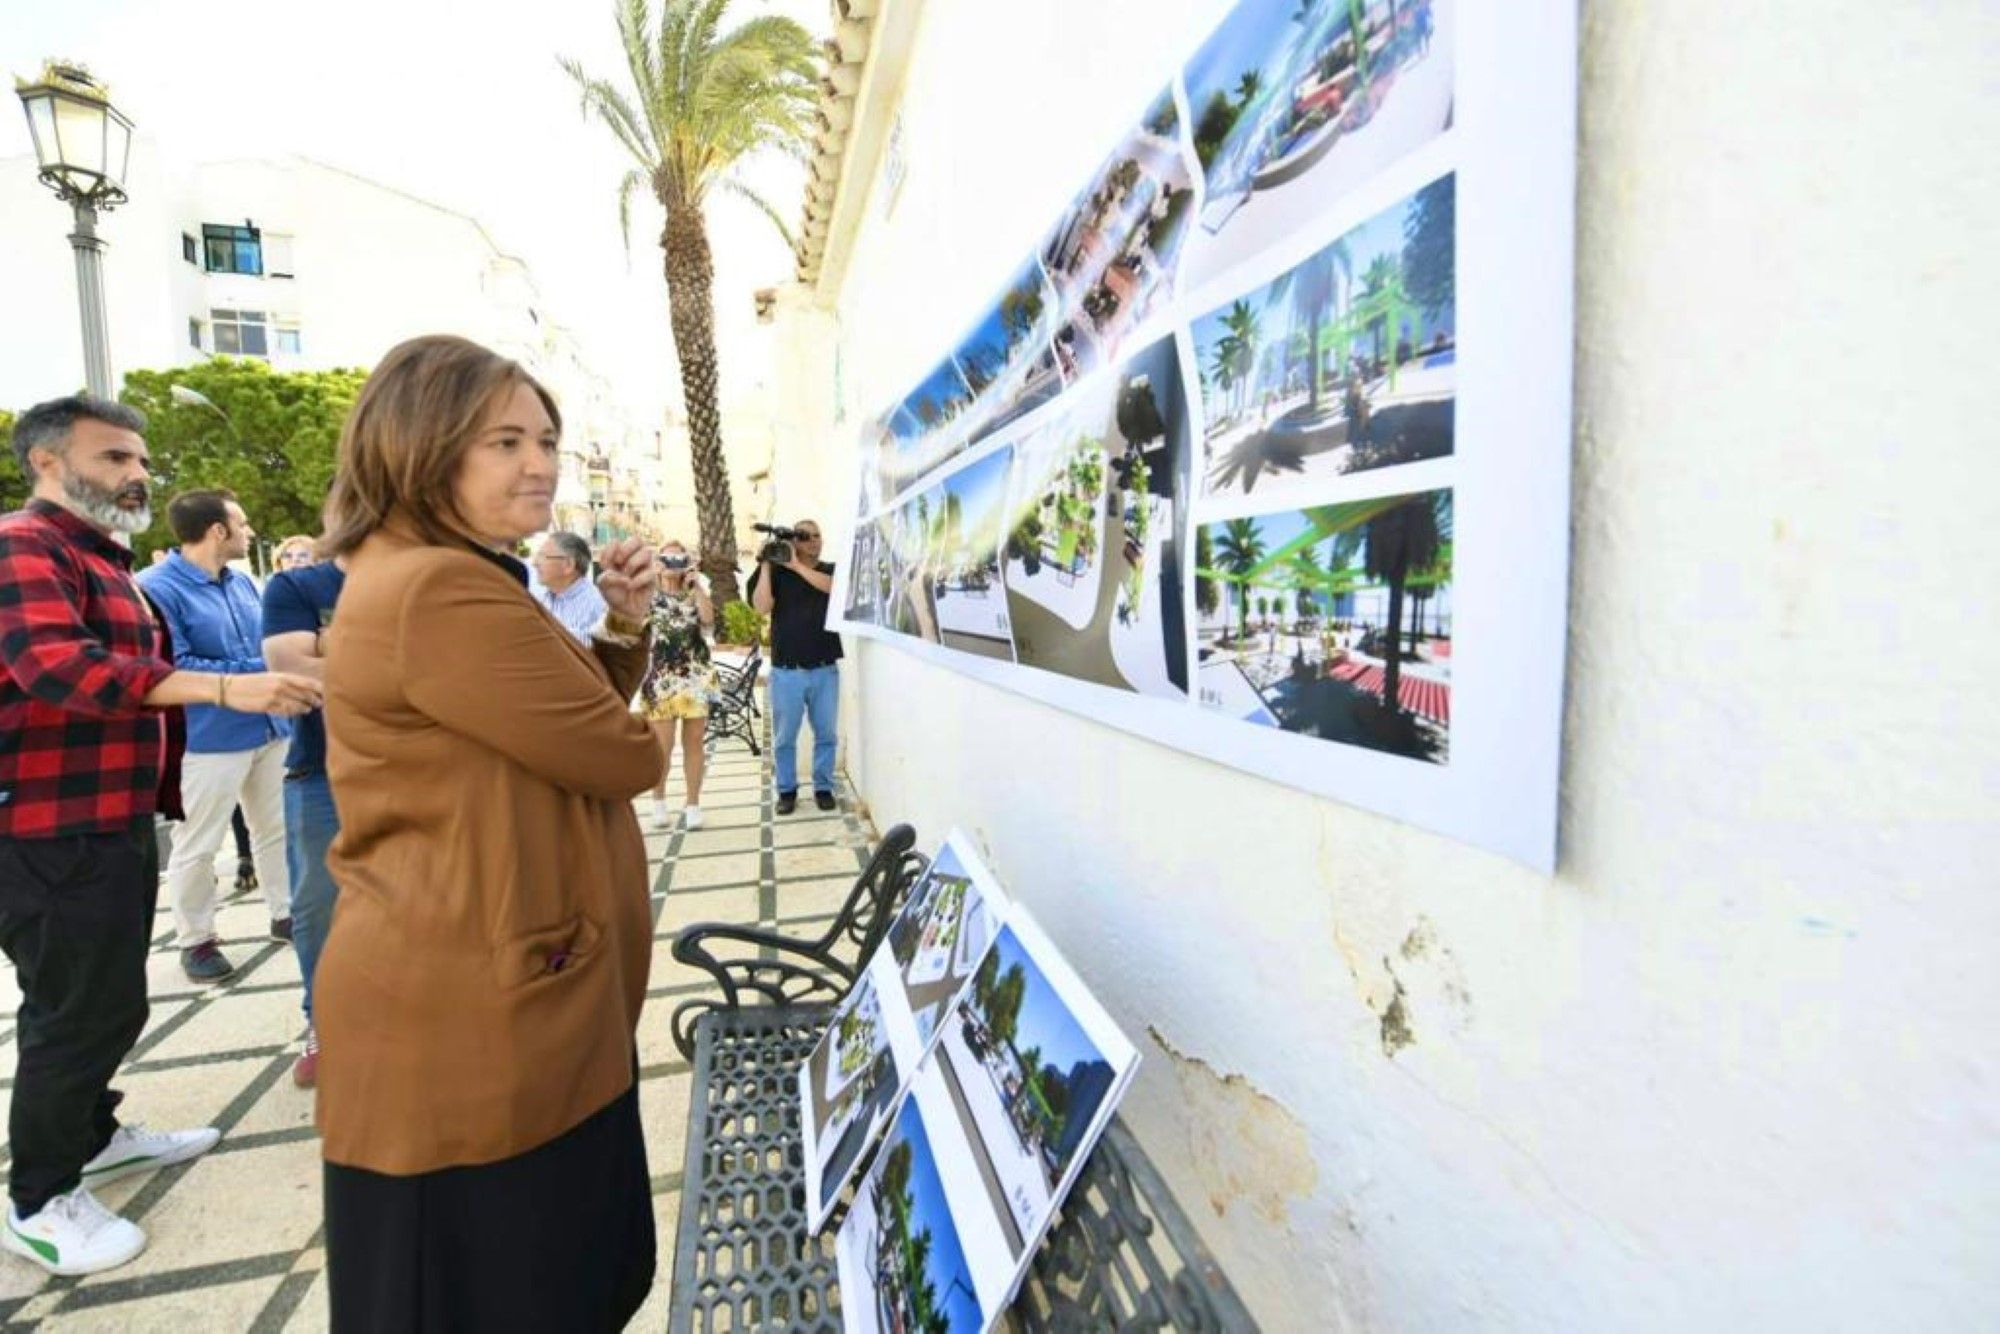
[[235, 1238]]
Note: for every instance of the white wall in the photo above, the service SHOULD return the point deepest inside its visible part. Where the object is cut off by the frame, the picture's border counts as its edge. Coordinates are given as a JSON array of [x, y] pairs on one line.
[[1734, 1066]]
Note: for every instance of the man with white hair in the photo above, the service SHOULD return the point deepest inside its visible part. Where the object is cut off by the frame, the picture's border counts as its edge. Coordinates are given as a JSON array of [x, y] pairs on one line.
[[564, 586]]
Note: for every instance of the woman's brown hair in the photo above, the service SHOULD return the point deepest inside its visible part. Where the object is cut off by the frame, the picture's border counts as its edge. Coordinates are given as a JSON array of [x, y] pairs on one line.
[[402, 444]]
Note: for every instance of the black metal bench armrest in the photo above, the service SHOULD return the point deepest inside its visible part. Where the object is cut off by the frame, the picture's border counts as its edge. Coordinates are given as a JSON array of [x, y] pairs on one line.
[[762, 968], [754, 966]]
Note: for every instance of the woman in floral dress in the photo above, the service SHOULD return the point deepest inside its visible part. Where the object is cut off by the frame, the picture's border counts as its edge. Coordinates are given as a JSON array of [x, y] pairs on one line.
[[681, 682]]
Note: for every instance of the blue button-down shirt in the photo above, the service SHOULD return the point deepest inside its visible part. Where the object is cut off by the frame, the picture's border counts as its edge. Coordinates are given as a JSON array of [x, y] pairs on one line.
[[579, 607], [218, 626]]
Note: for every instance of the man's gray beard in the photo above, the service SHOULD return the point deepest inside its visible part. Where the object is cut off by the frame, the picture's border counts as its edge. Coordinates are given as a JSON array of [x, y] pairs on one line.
[[102, 508]]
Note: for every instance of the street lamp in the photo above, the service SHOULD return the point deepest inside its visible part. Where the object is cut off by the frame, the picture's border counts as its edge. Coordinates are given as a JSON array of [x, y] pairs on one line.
[[83, 145]]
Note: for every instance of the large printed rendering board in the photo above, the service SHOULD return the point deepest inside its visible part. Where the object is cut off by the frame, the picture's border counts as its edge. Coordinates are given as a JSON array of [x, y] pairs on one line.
[[1259, 452], [998, 1121], [889, 1020]]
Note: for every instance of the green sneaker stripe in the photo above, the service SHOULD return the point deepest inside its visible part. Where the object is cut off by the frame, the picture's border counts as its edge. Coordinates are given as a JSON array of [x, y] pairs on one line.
[[46, 1249], [122, 1162]]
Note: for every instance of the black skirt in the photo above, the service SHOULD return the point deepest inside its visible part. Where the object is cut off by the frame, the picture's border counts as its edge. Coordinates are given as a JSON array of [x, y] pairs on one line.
[[558, 1238]]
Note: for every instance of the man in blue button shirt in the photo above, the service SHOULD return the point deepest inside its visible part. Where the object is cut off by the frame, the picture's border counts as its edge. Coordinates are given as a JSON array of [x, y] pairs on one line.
[[216, 619], [562, 583]]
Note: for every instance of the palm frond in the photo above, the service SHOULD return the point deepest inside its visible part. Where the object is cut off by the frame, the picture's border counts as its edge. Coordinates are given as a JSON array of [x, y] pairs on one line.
[[702, 100], [638, 55], [611, 107], [731, 185], [634, 180]]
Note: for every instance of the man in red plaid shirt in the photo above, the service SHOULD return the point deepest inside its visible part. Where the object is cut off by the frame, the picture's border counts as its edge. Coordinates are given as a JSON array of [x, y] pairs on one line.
[[84, 681]]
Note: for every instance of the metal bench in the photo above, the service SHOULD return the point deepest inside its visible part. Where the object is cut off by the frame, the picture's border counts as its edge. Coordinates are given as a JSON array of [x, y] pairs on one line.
[[1121, 1255], [735, 713]]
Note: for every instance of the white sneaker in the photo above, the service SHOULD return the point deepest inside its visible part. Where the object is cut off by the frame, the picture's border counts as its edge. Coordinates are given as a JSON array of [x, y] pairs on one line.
[[134, 1148], [73, 1234], [691, 817], [661, 820]]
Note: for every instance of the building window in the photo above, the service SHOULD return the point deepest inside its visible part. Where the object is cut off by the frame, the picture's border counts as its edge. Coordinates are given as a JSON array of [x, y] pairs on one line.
[[189, 250], [241, 333], [232, 249], [277, 256], [194, 333], [287, 336]]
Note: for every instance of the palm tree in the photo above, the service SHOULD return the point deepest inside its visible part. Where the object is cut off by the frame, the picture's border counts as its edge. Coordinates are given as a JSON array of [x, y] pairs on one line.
[[1239, 551], [1307, 578], [1401, 542], [1242, 324], [1207, 597], [700, 103], [1315, 289], [1222, 367], [1381, 281]]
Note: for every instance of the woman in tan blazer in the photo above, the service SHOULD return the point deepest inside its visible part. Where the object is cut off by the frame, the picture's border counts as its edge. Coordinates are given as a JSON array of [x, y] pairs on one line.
[[481, 985]]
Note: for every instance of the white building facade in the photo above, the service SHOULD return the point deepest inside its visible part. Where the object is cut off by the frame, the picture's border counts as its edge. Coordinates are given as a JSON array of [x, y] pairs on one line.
[[307, 267]]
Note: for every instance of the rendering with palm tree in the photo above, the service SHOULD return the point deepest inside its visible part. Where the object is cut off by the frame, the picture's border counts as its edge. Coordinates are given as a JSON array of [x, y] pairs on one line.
[[697, 104], [1352, 666], [1338, 364], [1239, 549]]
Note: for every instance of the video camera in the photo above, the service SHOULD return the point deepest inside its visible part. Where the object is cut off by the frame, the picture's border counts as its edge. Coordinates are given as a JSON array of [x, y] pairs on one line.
[[779, 549]]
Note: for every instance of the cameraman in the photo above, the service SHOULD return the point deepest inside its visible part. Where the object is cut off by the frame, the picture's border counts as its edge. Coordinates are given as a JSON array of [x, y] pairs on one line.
[[805, 662]]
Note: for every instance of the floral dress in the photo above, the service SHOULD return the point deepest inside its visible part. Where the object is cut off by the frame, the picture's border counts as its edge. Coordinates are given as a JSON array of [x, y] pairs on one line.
[[681, 681]]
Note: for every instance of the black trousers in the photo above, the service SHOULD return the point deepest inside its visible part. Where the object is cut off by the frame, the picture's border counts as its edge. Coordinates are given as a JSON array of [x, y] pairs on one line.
[[75, 916], [241, 829], [559, 1238]]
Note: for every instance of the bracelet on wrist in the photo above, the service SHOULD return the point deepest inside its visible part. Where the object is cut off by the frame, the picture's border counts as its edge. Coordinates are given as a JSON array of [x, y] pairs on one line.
[[222, 690], [619, 631]]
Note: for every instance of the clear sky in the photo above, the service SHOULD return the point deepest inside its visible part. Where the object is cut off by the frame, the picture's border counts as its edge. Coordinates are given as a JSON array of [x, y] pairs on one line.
[[457, 101], [982, 490]]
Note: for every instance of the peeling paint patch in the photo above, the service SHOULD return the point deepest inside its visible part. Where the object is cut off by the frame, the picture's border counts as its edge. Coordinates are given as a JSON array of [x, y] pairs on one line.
[[1245, 1147], [1396, 1031]]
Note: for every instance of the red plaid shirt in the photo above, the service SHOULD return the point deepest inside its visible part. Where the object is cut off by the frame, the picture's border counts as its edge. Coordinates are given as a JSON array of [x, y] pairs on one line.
[[79, 651]]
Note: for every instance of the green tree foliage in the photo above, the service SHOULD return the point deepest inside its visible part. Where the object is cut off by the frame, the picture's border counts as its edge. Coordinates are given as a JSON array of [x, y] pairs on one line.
[[1207, 595], [1308, 576], [272, 441], [1429, 229], [1239, 552], [1212, 126], [1004, 1016], [13, 483], [1021, 309]]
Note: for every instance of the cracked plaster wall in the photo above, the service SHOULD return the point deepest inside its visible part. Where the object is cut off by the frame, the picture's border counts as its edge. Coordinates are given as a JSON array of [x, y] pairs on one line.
[[1732, 1066]]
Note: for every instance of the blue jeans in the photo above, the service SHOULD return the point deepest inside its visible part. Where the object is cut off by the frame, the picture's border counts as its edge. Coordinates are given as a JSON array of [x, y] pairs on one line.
[[310, 824], [795, 693]]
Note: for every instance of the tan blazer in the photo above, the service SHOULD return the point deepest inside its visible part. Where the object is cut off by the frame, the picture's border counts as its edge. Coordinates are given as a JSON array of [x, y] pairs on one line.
[[480, 988]]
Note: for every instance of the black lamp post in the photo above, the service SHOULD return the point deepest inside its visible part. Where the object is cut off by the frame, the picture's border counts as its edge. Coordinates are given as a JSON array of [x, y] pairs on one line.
[[83, 145]]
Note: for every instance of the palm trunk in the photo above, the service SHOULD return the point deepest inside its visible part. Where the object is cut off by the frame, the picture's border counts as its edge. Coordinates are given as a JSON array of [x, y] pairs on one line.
[[1392, 664], [691, 307]]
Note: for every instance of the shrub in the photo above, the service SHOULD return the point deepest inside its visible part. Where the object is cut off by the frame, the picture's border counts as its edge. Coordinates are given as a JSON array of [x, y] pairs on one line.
[[744, 624]]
